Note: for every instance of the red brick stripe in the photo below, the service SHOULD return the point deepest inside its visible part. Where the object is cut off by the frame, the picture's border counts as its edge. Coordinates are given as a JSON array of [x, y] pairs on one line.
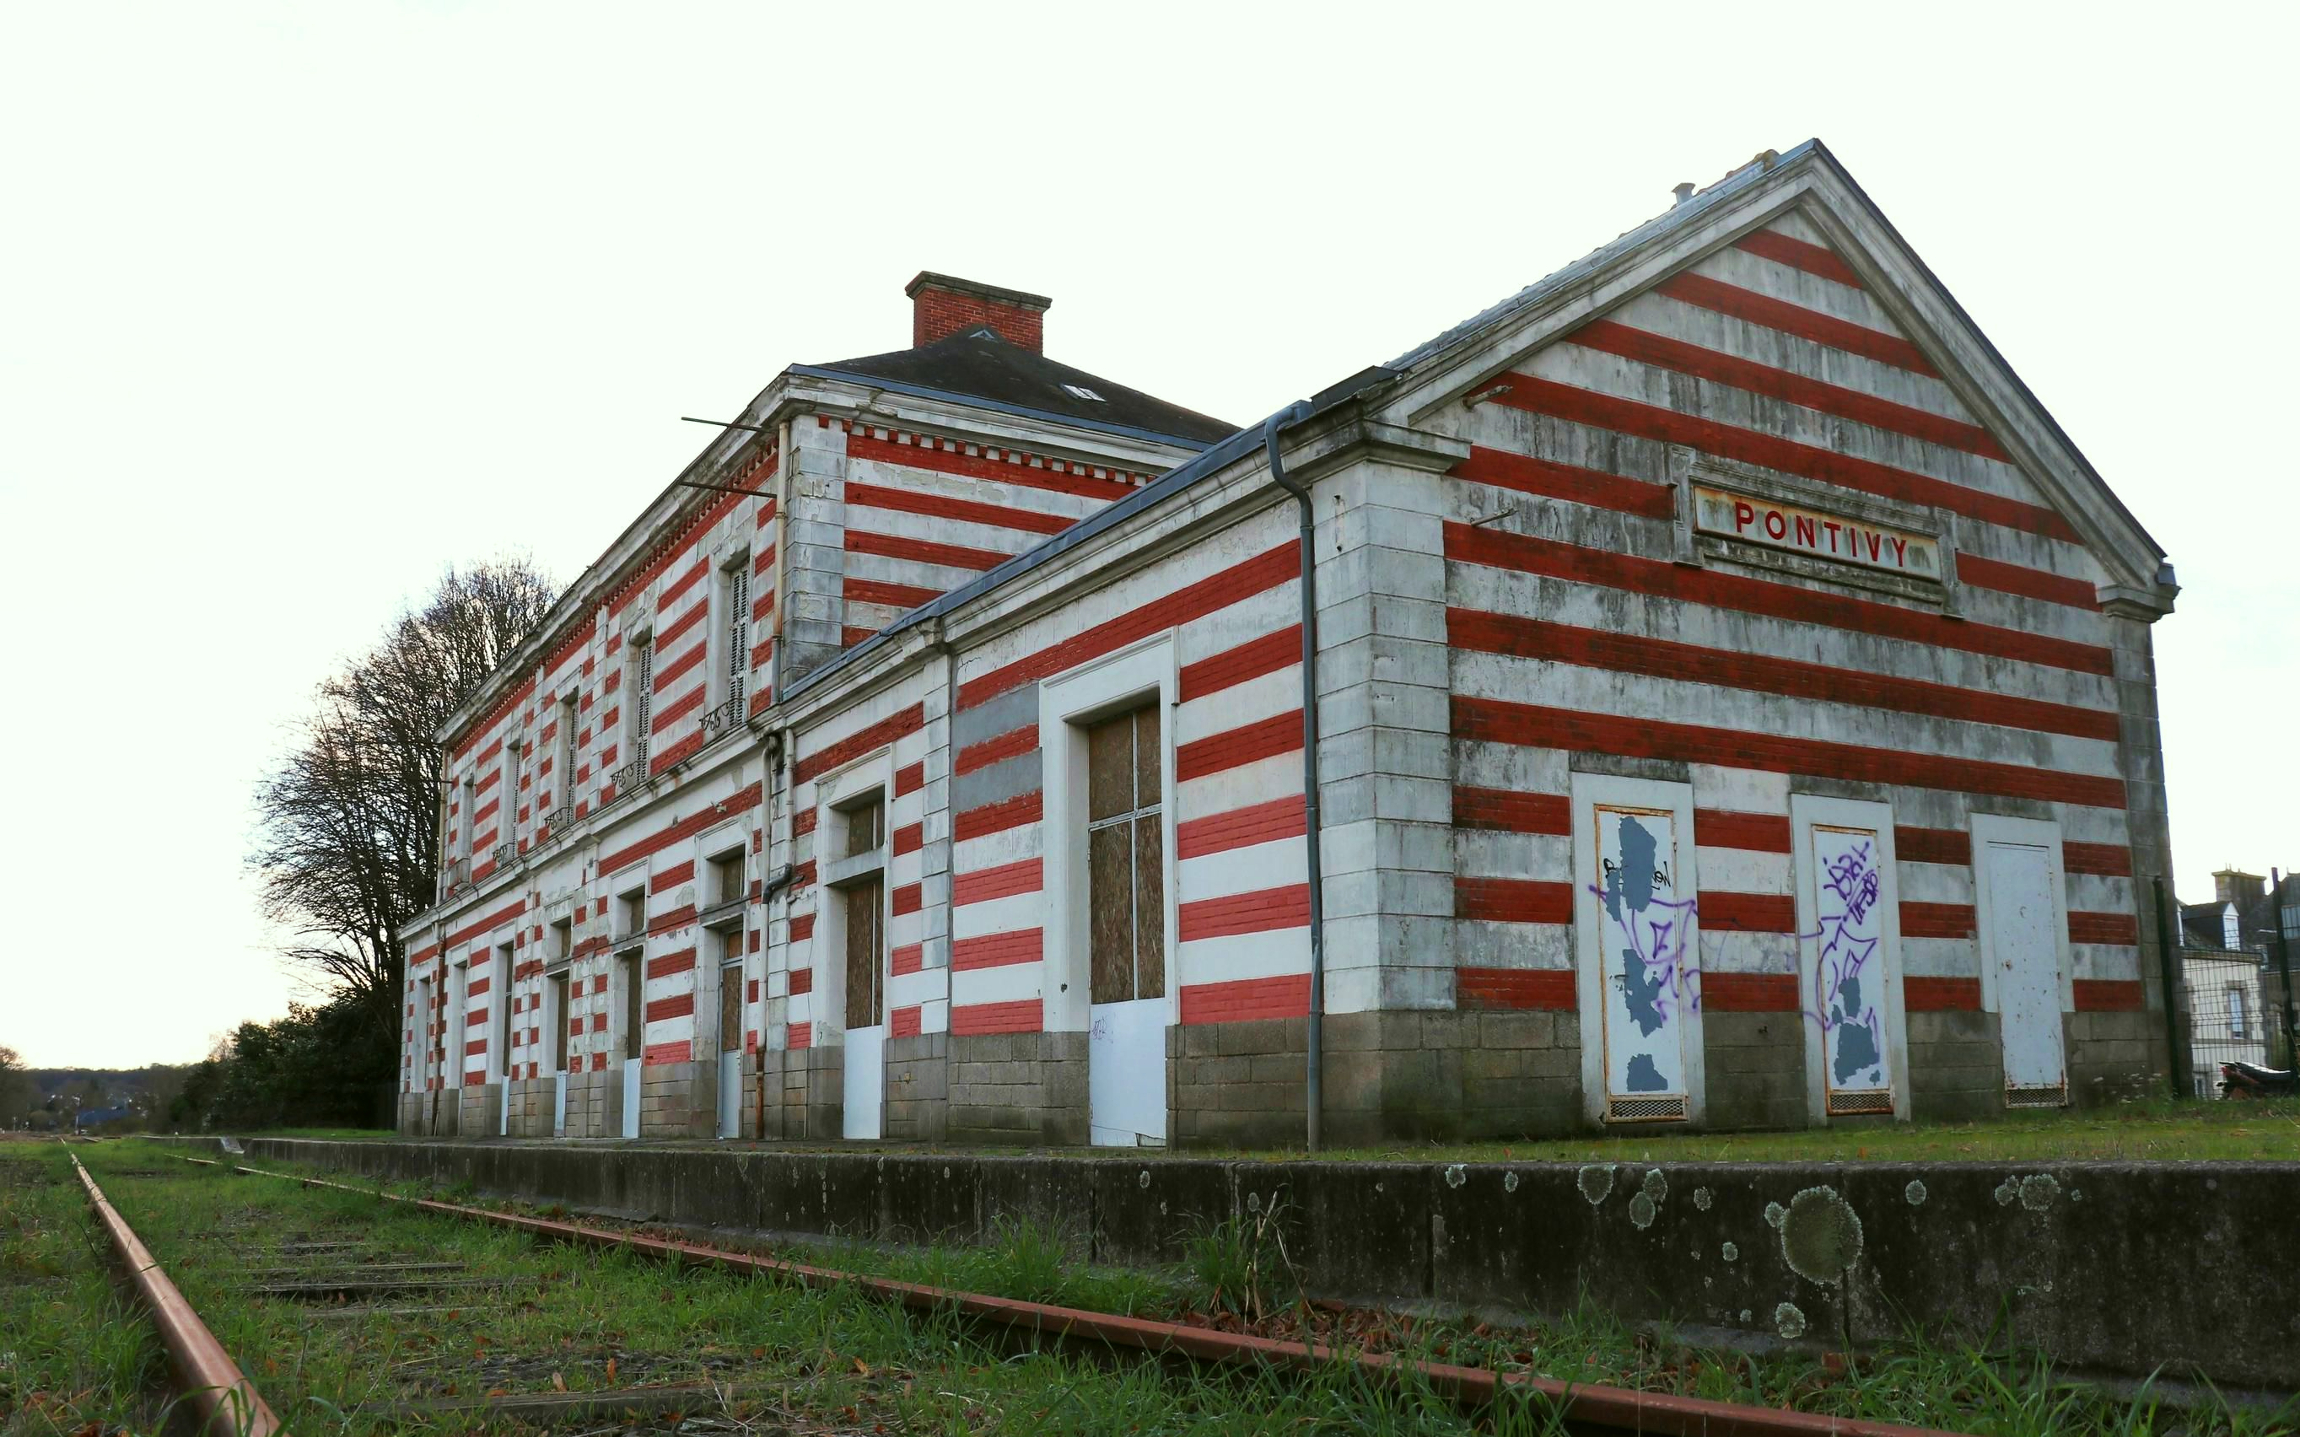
[[903, 1022], [997, 817], [1664, 658], [2121, 928], [802, 981], [1234, 748], [1528, 554], [1500, 810], [2027, 583], [910, 778], [874, 591], [909, 838], [802, 927], [878, 735], [907, 898], [1748, 992], [1644, 347], [1527, 475], [1723, 912], [1936, 920], [802, 1035], [923, 551], [1755, 832], [663, 965], [2111, 859], [1933, 845], [1539, 989], [1513, 900], [996, 749], [1004, 881], [1265, 911], [1941, 995], [908, 958], [1498, 721], [1023, 1016], [658, 1054], [942, 506], [997, 950], [1249, 660], [1246, 999], [672, 877], [1669, 426], [2110, 995], [678, 1005], [1239, 828], [1216, 591], [1735, 302], [1797, 254]]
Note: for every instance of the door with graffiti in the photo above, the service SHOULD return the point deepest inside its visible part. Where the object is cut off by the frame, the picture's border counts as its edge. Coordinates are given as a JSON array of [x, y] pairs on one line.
[[1849, 952], [1639, 964]]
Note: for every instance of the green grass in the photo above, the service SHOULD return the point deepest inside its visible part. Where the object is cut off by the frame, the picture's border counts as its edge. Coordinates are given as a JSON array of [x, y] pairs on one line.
[[798, 1357]]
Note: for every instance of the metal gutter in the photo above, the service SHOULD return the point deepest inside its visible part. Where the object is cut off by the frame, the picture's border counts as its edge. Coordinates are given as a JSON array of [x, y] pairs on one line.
[[214, 1385], [1611, 1408]]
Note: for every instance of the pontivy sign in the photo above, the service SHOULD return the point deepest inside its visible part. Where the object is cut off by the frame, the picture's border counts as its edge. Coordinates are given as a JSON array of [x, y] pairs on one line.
[[1810, 531]]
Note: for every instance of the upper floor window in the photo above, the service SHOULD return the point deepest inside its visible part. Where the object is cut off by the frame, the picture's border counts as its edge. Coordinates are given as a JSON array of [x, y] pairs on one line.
[[735, 591], [638, 701], [563, 756]]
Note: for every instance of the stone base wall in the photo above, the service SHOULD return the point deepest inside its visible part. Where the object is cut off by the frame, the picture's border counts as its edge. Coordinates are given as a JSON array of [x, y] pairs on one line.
[[805, 1093], [1956, 1067], [917, 1107], [1755, 1070], [678, 1100], [2109, 1056], [1017, 1088]]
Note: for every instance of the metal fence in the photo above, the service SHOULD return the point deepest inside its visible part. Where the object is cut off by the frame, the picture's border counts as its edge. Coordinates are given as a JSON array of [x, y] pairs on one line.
[[2235, 1014]]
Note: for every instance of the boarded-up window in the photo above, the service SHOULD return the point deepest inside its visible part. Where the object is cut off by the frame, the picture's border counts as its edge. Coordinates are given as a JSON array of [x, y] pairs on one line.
[[1125, 857], [634, 1008], [866, 827], [557, 1017], [727, 877], [866, 940]]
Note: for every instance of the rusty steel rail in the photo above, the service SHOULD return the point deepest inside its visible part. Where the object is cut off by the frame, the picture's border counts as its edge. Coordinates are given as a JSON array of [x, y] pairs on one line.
[[222, 1395], [1613, 1408]]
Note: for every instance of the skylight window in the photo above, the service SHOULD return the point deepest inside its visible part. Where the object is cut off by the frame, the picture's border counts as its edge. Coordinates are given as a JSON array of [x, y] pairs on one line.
[[1082, 392]]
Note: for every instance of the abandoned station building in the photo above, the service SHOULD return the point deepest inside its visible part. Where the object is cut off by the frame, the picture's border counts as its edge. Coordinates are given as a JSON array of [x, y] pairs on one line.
[[1731, 704]]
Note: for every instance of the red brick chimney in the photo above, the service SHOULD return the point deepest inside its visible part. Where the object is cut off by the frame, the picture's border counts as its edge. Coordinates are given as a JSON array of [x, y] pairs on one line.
[[942, 306]]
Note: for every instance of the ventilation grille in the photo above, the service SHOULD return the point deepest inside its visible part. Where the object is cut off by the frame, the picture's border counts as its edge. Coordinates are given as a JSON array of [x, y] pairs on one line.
[[1669, 1109], [2054, 1096], [1861, 1100]]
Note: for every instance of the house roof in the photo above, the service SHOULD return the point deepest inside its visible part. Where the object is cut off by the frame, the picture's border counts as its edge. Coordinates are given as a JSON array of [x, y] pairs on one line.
[[976, 364], [2203, 926]]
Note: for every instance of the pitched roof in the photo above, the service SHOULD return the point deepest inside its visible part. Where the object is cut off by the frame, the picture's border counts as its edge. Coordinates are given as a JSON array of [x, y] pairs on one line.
[[977, 365]]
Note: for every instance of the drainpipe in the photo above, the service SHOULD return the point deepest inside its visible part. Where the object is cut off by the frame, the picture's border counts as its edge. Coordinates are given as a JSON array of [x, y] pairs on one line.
[[1314, 1058]]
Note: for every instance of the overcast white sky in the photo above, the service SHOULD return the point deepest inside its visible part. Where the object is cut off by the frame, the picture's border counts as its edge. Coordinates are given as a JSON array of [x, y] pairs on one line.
[[299, 304]]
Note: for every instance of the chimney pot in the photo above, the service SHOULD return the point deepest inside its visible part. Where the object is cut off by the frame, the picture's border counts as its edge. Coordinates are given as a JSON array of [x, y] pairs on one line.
[[942, 305]]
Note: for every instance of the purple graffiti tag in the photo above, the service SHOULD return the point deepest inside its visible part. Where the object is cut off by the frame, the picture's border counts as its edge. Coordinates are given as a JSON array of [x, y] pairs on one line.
[[1852, 886], [1661, 951]]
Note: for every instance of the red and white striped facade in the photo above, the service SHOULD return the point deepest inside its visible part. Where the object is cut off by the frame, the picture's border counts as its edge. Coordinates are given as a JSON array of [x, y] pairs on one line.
[[1520, 606]]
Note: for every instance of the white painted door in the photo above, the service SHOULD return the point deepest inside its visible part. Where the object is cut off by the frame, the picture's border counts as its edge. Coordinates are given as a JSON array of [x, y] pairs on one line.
[[2024, 949], [865, 1114], [1644, 926], [631, 1097], [730, 1095], [1848, 919], [1126, 1072]]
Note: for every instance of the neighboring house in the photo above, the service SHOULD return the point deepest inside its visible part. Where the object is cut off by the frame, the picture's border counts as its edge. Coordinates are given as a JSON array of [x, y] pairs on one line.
[[2231, 973], [1731, 704]]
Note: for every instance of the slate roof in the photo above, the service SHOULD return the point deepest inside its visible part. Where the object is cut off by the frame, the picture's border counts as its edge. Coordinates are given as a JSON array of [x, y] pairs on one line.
[[2202, 925], [977, 365]]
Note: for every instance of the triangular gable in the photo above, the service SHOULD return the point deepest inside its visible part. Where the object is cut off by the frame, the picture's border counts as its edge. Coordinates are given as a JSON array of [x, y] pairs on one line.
[[1783, 291]]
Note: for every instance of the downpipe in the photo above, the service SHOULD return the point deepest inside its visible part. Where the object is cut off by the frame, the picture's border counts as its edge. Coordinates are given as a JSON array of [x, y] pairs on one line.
[[1314, 1058]]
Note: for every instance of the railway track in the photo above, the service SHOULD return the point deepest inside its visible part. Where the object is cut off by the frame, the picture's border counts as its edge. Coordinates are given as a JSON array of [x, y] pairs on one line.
[[369, 1278]]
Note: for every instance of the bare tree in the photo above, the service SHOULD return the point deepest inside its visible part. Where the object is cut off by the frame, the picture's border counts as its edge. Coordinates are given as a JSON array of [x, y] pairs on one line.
[[347, 845]]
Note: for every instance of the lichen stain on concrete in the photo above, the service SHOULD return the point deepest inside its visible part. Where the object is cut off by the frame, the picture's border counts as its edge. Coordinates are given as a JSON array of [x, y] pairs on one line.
[[2038, 1190], [1596, 1182], [1702, 1198], [1655, 1186], [1821, 1236], [2006, 1191], [1143, 1181], [1775, 1214], [1745, 1315], [1509, 1182], [1456, 1175], [1915, 1192], [1789, 1321], [1253, 1202], [1732, 1252], [1642, 1210]]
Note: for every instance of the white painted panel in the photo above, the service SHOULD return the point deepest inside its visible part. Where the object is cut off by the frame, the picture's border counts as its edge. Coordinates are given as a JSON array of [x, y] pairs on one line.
[[2024, 955], [631, 1067], [559, 1104], [865, 1107], [1126, 1072], [730, 1095]]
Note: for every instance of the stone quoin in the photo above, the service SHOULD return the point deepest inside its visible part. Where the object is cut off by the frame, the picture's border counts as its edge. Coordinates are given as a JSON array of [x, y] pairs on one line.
[[1735, 708]]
